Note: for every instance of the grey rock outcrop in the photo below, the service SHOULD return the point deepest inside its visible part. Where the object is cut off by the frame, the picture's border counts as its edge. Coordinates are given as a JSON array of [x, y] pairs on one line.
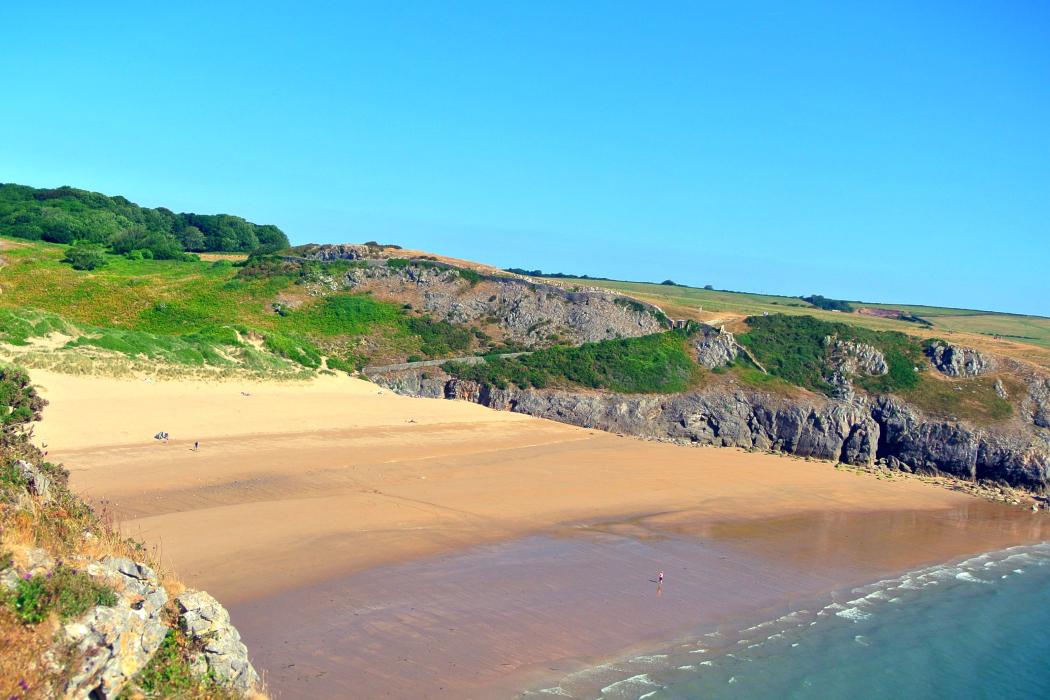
[[530, 313], [1036, 407], [222, 653], [112, 644], [858, 431], [957, 361], [847, 359], [715, 347], [38, 482]]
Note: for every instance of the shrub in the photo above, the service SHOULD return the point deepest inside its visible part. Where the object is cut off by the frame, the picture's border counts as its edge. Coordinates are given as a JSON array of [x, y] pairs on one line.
[[792, 348], [85, 256], [19, 402], [657, 363], [69, 593]]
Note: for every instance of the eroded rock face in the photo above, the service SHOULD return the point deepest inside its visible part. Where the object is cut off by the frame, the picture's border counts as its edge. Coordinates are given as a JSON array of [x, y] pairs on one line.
[[715, 347], [533, 314], [223, 655], [957, 361], [112, 644], [1037, 406], [857, 431]]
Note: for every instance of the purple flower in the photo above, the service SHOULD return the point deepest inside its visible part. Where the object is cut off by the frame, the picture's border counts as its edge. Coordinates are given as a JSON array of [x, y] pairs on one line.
[[23, 685], [27, 576], [50, 574]]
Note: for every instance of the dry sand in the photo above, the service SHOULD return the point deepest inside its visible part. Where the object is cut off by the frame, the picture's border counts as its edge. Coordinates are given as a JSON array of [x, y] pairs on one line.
[[325, 486]]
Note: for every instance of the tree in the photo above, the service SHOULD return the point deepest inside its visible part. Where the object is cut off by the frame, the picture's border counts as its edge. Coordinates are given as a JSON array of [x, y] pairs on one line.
[[670, 283], [192, 238], [85, 256]]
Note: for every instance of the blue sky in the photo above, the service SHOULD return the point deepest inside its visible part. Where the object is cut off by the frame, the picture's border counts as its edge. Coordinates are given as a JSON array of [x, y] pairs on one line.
[[892, 152]]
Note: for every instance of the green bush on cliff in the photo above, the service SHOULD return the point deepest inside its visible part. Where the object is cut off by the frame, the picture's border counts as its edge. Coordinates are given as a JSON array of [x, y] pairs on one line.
[[67, 592], [792, 348], [657, 363]]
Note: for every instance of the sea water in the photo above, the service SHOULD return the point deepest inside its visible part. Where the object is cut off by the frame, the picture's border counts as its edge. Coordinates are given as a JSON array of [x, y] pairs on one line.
[[976, 629]]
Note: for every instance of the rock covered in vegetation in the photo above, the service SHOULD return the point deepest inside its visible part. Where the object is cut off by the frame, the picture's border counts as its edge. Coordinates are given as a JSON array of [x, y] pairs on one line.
[[524, 312], [958, 361], [38, 483], [858, 431], [222, 654], [847, 359], [715, 347]]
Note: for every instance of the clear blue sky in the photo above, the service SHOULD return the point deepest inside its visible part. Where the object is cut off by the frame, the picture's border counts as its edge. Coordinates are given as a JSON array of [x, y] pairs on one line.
[[880, 151]]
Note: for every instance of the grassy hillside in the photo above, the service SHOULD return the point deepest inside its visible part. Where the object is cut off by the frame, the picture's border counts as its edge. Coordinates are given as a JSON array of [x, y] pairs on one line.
[[687, 302], [208, 312]]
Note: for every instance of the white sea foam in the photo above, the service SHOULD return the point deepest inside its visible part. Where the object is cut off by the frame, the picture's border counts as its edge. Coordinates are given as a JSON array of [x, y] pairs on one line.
[[642, 679], [854, 614]]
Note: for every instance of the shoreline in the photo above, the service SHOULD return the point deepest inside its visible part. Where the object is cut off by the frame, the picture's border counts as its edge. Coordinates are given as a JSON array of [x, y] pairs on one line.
[[315, 495], [528, 613]]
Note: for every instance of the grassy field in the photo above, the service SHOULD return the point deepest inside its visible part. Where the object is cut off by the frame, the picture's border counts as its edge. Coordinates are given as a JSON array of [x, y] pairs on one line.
[[706, 304]]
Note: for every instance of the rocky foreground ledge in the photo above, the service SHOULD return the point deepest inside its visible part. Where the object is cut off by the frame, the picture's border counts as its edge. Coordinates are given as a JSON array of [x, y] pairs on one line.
[[83, 611]]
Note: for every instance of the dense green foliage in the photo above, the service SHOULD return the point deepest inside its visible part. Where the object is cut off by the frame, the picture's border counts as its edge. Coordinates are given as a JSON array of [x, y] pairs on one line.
[[828, 304], [86, 256], [69, 593], [19, 402], [793, 348], [657, 363], [66, 214]]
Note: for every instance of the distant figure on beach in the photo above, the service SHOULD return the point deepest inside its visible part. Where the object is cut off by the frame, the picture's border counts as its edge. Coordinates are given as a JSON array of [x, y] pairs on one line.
[[162, 436], [660, 577], [196, 445]]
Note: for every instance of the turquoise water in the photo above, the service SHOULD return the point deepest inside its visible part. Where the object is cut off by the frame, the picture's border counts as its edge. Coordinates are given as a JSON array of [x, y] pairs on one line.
[[977, 629]]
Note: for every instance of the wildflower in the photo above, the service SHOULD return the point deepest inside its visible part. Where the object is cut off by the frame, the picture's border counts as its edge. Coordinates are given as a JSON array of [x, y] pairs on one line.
[[23, 685]]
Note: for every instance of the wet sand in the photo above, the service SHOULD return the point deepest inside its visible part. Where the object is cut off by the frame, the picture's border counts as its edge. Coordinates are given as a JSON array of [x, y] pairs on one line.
[[419, 548]]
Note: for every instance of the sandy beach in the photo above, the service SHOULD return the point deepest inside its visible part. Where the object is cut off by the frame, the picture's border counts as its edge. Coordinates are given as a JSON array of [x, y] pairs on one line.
[[308, 504]]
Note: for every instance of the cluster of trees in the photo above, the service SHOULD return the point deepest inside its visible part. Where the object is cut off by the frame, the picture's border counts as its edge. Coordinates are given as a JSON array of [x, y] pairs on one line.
[[69, 215], [828, 304]]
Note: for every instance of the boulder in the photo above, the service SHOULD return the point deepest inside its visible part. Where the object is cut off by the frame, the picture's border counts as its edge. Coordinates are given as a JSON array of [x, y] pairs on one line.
[[957, 361], [222, 653]]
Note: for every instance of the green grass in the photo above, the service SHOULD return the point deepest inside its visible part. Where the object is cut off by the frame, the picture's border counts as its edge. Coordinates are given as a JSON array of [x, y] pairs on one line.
[[658, 363], [1024, 328], [199, 313], [969, 398]]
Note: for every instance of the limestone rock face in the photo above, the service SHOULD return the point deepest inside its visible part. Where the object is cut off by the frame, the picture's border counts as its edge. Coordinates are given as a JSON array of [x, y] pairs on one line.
[[856, 431], [530, 313], [112, 644], [957, 361], [1036, 406], [715, 347], [223, 655], [855, 358]]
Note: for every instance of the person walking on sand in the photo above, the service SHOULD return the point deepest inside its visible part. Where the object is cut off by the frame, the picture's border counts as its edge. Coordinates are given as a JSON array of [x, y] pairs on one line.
[[660, 577], [196, 445]]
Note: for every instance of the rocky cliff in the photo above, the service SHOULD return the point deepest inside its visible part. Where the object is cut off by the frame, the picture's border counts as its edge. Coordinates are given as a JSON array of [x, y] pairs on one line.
[[861, 430], [509, 308]]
